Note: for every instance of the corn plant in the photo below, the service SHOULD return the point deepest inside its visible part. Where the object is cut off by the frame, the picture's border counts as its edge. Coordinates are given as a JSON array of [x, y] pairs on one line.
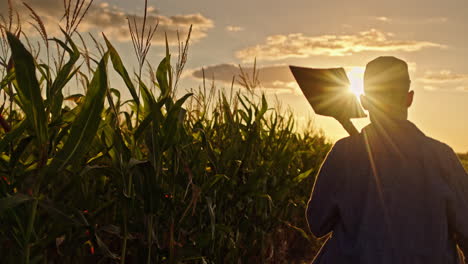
[[205, 176]]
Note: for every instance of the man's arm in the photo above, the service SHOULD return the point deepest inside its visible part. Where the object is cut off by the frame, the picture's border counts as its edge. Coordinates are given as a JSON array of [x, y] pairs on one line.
[[458, 205], [322, 208]]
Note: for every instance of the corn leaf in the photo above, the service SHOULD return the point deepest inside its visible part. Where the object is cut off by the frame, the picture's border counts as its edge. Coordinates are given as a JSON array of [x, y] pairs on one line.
[[54, 95], [155, 116], [7, 79], [86, 124], [11, 136], [121, 70], [28, 88], [148, 98], [11, 202], [162, 74], [302, 176]]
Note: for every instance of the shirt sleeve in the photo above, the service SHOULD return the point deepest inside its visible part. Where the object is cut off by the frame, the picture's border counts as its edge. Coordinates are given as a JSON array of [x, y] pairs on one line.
[[457, 207], [322, 208]]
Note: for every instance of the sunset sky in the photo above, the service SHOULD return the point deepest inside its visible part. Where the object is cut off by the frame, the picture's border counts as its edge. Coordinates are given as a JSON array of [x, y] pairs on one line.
[[430, 35]]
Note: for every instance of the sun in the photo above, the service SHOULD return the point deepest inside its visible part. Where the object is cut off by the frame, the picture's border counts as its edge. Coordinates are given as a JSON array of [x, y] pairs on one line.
[[356, 80]]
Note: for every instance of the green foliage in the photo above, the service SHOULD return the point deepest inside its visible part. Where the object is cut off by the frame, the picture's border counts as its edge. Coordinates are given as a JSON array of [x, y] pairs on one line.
[[54, 91], [29, 92], [121, 70], [84, 127], [464, 160], [200, 178]]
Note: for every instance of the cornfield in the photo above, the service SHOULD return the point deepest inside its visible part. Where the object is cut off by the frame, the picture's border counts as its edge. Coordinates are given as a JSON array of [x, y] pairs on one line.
[[201, 176]]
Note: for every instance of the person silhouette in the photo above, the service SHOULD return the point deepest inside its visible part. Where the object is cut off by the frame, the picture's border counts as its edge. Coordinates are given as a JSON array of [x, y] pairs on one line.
[[390, 194]]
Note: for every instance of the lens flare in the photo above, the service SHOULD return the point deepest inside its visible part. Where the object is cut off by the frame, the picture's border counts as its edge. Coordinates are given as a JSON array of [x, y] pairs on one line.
[[356, 80]]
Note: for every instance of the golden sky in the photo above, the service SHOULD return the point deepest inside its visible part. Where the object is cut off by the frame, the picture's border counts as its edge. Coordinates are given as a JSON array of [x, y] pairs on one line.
[[430, 35]]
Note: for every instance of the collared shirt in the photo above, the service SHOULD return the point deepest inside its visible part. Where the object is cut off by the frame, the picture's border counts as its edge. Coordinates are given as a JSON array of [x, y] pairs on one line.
[[390, 195]]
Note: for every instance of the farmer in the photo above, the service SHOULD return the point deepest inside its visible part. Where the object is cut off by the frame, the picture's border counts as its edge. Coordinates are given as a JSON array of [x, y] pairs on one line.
[[390, 194]]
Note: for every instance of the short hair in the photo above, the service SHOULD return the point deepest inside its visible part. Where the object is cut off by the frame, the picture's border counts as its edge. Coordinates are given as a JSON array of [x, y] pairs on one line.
[[386, 77]]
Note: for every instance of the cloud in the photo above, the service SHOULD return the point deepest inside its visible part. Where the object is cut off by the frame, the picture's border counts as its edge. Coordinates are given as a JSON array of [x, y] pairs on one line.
[[298, 45], [430, 88], [276, 78], [445, 80], [382, 19], [435, 20], [414, 21], [460, 88], [443, 76], [112, 20], [234, 28], [51, 7]]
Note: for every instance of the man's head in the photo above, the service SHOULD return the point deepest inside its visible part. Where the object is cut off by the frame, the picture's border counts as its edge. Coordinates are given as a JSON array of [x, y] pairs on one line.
[[386, 88]]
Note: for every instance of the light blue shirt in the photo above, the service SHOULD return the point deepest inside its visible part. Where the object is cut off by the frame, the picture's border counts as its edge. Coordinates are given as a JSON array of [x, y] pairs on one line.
[[390, 195]]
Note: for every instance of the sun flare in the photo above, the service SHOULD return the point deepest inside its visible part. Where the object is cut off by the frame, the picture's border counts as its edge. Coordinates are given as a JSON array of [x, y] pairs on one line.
[[356, 76]]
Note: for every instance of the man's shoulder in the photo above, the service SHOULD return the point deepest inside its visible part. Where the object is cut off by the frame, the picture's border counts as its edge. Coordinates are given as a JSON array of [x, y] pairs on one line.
[[427, 143], [437, 143], [349, 140], [438, 147], [432, 143], [348, 143]]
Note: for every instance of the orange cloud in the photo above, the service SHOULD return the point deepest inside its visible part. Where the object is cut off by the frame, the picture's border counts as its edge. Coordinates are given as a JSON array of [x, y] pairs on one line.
[[234, 28], [414, 21], [298, 45], [445, 80], [443, 76], [112, 20]]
